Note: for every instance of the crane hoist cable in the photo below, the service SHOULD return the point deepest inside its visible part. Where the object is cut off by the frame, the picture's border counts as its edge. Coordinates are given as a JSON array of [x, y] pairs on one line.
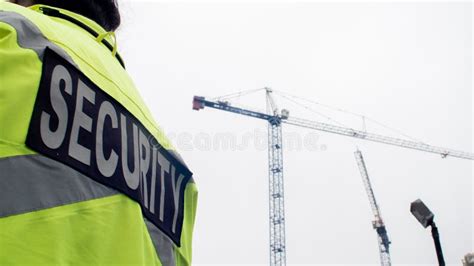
[[337, 109]]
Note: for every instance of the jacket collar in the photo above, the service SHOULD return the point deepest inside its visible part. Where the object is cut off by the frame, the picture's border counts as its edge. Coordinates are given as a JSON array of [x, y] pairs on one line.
[[86, 24]]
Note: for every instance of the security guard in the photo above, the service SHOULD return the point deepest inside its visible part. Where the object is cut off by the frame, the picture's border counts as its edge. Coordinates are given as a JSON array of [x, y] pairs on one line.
[[86, 177]]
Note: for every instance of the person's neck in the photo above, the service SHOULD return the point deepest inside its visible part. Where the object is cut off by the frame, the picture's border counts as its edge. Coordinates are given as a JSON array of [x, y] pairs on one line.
[[25, 3]]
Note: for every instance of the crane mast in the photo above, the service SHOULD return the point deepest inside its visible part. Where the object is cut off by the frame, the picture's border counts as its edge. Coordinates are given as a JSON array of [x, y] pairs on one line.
[[276, 187], [378, 224]]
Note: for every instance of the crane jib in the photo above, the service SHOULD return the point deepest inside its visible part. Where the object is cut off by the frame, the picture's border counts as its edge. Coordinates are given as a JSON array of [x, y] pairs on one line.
[[227, 107], [345, 131]]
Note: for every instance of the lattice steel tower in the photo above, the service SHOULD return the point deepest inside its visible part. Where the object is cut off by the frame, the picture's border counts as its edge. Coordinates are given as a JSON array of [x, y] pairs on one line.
[[276, 186], [377, 223]]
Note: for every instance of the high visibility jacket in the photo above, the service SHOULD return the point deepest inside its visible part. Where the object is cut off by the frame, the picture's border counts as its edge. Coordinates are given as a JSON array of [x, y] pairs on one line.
[[86, 176]]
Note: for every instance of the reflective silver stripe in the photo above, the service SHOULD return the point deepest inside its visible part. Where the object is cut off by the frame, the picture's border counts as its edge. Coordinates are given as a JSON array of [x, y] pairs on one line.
[[35, 182], [163, 245], [29, 35]]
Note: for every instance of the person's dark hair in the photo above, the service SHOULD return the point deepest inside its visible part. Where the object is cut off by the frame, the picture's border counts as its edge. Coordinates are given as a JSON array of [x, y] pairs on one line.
[[104, 12]]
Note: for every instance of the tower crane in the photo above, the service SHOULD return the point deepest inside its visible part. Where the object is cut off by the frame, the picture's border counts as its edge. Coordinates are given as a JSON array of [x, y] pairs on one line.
[[275, 168], [275, 118], [378, 223]]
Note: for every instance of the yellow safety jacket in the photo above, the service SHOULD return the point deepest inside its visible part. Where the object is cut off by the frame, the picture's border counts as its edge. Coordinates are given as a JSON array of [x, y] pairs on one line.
[[86, 176]]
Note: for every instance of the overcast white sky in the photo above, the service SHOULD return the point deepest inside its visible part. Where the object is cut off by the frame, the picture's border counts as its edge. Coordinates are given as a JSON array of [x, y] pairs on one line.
[[408, 65]]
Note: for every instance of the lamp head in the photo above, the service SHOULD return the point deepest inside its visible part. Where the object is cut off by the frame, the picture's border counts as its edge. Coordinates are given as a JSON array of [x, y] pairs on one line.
[[422, 213]]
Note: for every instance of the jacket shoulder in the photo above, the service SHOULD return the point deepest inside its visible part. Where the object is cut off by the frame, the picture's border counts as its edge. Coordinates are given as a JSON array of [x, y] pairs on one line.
[[10, 9], [17, 18]]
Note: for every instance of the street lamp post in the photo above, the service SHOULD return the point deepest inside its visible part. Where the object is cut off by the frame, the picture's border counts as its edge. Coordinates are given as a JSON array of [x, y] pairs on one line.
[[426, 218]]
